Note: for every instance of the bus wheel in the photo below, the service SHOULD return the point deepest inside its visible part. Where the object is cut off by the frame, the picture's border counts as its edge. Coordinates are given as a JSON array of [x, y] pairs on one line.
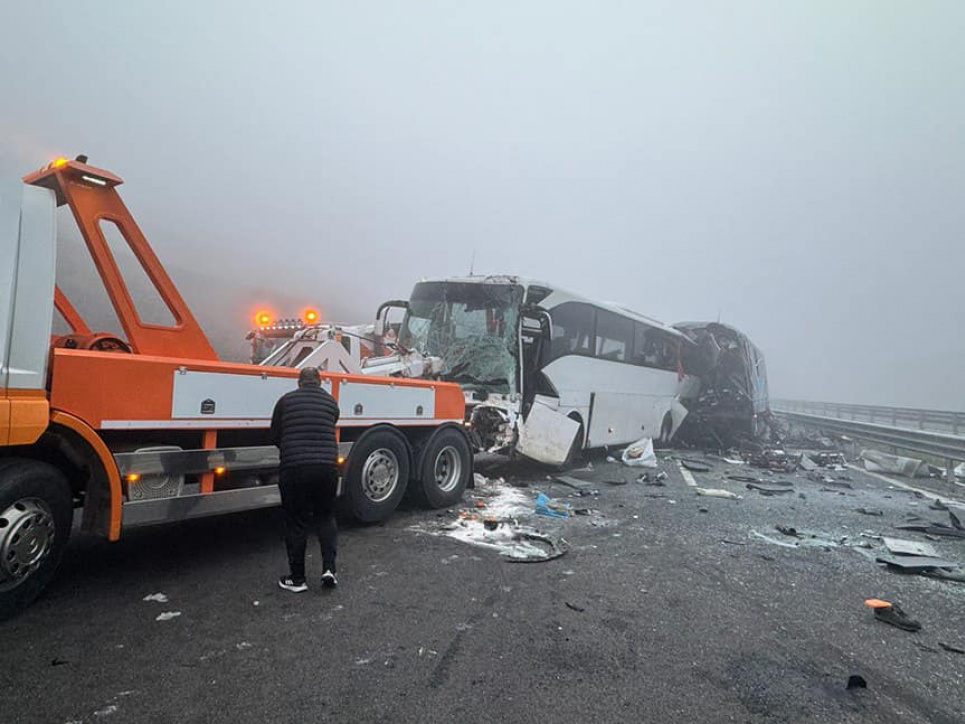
[[446, 470], [376, 476], [36, 514]]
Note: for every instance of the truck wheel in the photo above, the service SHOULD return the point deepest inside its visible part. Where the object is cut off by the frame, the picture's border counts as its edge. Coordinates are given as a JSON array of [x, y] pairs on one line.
[[376, 476], [36, 514], [446, 470]]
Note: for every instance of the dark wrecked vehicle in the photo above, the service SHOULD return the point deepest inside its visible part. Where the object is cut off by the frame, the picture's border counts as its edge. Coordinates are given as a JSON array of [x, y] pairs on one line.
[[730, 405]]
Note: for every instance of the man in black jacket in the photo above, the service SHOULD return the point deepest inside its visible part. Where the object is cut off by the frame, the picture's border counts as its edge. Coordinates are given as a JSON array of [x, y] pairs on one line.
[[303, 428]]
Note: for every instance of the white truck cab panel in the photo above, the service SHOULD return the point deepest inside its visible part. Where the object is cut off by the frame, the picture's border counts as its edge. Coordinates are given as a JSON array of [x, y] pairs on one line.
[[27, 272]]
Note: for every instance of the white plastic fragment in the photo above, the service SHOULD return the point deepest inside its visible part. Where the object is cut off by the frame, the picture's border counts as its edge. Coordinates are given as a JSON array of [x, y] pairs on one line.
[[718, 493], [159, 597], [167, 615]]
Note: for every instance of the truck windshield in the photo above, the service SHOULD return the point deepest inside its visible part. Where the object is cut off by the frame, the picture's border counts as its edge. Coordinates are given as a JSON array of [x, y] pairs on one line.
[[472, 326]]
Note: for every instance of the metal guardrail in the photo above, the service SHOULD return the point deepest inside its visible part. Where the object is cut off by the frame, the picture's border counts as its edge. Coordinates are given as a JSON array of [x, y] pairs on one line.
[[908, 418], [947, 447]]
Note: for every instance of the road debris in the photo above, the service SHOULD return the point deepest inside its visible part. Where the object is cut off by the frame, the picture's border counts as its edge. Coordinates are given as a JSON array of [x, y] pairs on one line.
[[868, 511], [769, 490], [574, 483], [952, 649], [158, 597], [531, 546], [743, 478], [695, 466], [167, 615], [773, 541], [545, 505], [876, 461], [915, 564], [574, 607], [640, 454], [717, 493], [902, 547], [856, 682]]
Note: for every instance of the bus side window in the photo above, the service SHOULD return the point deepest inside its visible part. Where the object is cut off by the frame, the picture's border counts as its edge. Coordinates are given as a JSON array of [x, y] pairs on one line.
[[645, 346], [614, 336], [573, 331]]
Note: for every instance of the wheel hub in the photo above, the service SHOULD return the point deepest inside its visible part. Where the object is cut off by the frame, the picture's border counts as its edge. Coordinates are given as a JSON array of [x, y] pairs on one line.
[[380, 475], [26, 534], [448, 469]]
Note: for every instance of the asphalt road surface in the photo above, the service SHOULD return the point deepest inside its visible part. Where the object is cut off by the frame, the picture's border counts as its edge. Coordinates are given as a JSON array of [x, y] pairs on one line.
[[667, 608]]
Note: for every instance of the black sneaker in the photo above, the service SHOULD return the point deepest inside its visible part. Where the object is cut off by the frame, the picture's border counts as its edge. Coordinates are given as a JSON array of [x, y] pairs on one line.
[[329, 580], [290, 584], [896, 617]]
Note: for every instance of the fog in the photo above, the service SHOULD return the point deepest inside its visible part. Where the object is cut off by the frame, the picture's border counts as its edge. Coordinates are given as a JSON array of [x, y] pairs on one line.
[[793, 168]]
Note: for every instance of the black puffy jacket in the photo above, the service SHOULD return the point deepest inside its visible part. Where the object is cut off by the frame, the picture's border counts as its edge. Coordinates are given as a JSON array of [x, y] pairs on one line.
[[303, 427]]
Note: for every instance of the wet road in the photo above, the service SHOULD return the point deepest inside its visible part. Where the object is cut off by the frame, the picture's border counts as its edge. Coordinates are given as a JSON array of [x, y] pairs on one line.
[[674, 615]]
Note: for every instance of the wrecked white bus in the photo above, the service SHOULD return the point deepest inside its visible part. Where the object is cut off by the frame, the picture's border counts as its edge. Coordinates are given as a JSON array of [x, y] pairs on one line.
[[545, 372]]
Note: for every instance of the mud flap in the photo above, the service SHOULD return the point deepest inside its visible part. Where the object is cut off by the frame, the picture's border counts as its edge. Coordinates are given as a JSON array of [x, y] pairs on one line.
[[547, 436]]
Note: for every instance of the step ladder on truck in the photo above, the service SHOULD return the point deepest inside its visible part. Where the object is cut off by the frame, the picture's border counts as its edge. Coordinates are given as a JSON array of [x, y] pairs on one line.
[[149, 426]]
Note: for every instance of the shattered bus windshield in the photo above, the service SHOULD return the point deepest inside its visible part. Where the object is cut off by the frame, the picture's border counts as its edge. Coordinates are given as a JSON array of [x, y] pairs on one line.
[[472, 327]]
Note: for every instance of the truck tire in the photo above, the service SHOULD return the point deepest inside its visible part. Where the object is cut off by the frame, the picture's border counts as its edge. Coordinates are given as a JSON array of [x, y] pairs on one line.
[[36, 514], [445, 470], [376, 476]]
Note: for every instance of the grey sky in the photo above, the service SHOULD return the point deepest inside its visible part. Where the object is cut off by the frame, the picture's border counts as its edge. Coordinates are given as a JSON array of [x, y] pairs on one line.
[[797, 167]]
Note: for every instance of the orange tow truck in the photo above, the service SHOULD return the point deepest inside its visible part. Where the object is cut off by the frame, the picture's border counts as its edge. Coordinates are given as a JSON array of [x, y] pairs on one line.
[[149, 426]]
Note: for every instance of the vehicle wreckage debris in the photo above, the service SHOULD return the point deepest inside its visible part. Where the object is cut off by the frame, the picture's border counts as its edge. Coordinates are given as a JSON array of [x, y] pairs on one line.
[[657, 478], [695, 466], [902, 547], [575, 483], [768, 490], [743, 478], [526, 550], [914, 564]]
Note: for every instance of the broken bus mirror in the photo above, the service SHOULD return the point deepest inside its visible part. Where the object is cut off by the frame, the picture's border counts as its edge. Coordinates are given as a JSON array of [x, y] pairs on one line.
[[382, 315]]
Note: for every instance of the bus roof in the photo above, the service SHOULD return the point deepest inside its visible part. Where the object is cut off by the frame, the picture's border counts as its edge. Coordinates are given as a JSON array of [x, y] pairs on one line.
[[561, 296]]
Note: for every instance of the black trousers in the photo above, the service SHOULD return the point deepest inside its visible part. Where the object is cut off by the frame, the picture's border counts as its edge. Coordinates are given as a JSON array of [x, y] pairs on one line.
[[308, 494]]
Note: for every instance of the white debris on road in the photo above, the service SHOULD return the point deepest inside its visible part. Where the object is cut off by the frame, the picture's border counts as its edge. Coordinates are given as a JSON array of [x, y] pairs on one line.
[[159, 597], [167, 615], [717, 493]]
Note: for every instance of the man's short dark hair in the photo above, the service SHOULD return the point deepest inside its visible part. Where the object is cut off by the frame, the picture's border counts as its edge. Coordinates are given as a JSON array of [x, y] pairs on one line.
[[309, 377]]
